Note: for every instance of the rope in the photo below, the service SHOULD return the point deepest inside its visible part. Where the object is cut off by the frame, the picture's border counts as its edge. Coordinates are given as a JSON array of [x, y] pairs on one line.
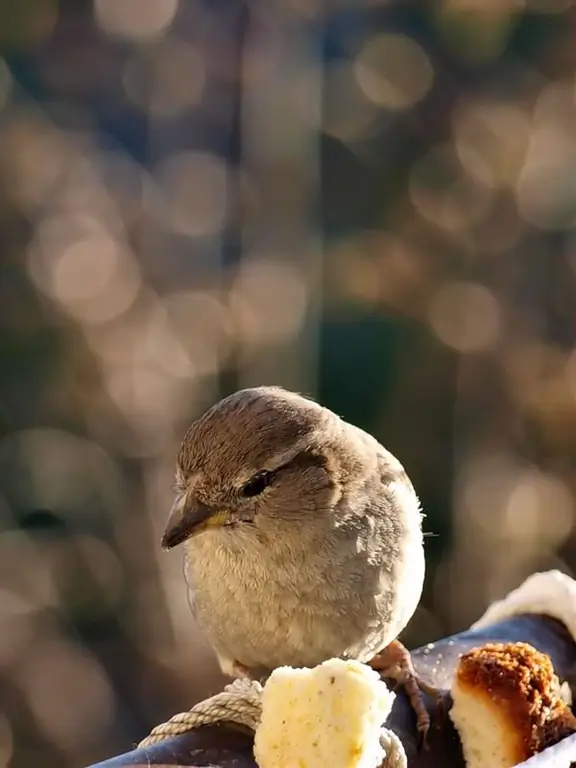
[[395, 756], [240, 703]]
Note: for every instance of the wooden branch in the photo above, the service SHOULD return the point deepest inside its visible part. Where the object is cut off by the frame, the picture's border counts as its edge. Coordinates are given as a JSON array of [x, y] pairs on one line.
[[228, 746]]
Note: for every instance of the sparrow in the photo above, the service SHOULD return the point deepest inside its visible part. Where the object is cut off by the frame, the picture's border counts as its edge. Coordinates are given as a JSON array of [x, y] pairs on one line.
[[303, 539]]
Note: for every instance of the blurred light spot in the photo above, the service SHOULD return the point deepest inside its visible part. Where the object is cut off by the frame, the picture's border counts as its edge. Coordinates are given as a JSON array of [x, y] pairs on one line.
[[483, 487], [143, 392], [34, 156], [348, 115], [405, 274], [133, 355], [354, 271], [491, 141], [69, 693], [124, 180], [498, 544], [77, 263], [379, 268], [117, 342], [539, 383], [185, 335], [82, 192], [6, 741], [443, 195], [200, 324], [506, 229], [153, 79], [89, 279], [164, 347], [539, 509], [135, 19], [268, 301], [546, 191], [393, 71], [195, 186], [465, 316]]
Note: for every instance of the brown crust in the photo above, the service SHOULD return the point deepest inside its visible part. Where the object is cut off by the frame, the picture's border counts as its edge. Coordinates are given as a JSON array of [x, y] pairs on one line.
[[521, 683]]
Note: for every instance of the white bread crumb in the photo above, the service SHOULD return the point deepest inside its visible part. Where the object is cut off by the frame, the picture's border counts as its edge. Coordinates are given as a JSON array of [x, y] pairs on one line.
[[487, 739], [328, 716]]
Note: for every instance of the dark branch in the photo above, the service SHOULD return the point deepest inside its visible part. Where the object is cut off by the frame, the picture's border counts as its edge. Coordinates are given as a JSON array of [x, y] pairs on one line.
[[227, 746]]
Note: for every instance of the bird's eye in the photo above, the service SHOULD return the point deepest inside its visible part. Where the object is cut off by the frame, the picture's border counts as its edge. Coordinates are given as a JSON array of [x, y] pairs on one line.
[[257, 483]]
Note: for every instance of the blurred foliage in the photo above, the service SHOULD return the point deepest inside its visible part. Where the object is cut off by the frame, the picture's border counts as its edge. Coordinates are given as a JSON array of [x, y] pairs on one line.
[[369, 200]]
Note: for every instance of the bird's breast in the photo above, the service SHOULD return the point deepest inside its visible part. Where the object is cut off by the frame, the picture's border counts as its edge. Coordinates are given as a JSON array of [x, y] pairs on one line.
[[265, 606]]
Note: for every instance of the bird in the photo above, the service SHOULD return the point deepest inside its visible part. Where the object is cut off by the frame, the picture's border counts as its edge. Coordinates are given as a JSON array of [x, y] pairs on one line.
[[303, 539]]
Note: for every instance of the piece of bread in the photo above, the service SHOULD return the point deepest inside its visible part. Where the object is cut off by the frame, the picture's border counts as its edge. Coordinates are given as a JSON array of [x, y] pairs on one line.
[[326, 717], [507, 705]]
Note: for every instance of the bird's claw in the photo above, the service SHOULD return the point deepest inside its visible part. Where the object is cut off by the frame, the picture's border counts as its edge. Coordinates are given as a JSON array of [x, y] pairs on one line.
[[395, 663]]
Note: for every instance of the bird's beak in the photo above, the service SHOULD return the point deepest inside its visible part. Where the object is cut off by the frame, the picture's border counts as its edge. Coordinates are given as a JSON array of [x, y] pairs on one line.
[[189, 517]]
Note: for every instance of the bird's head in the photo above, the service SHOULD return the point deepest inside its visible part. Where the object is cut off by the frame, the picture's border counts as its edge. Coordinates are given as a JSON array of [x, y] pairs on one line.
[[259, 459]]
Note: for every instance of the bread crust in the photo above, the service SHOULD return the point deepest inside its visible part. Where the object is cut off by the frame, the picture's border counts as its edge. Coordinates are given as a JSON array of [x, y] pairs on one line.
[[519, 685]]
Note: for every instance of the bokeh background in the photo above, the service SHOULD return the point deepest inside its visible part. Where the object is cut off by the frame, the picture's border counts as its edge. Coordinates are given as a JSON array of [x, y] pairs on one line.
[[369, 201]]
